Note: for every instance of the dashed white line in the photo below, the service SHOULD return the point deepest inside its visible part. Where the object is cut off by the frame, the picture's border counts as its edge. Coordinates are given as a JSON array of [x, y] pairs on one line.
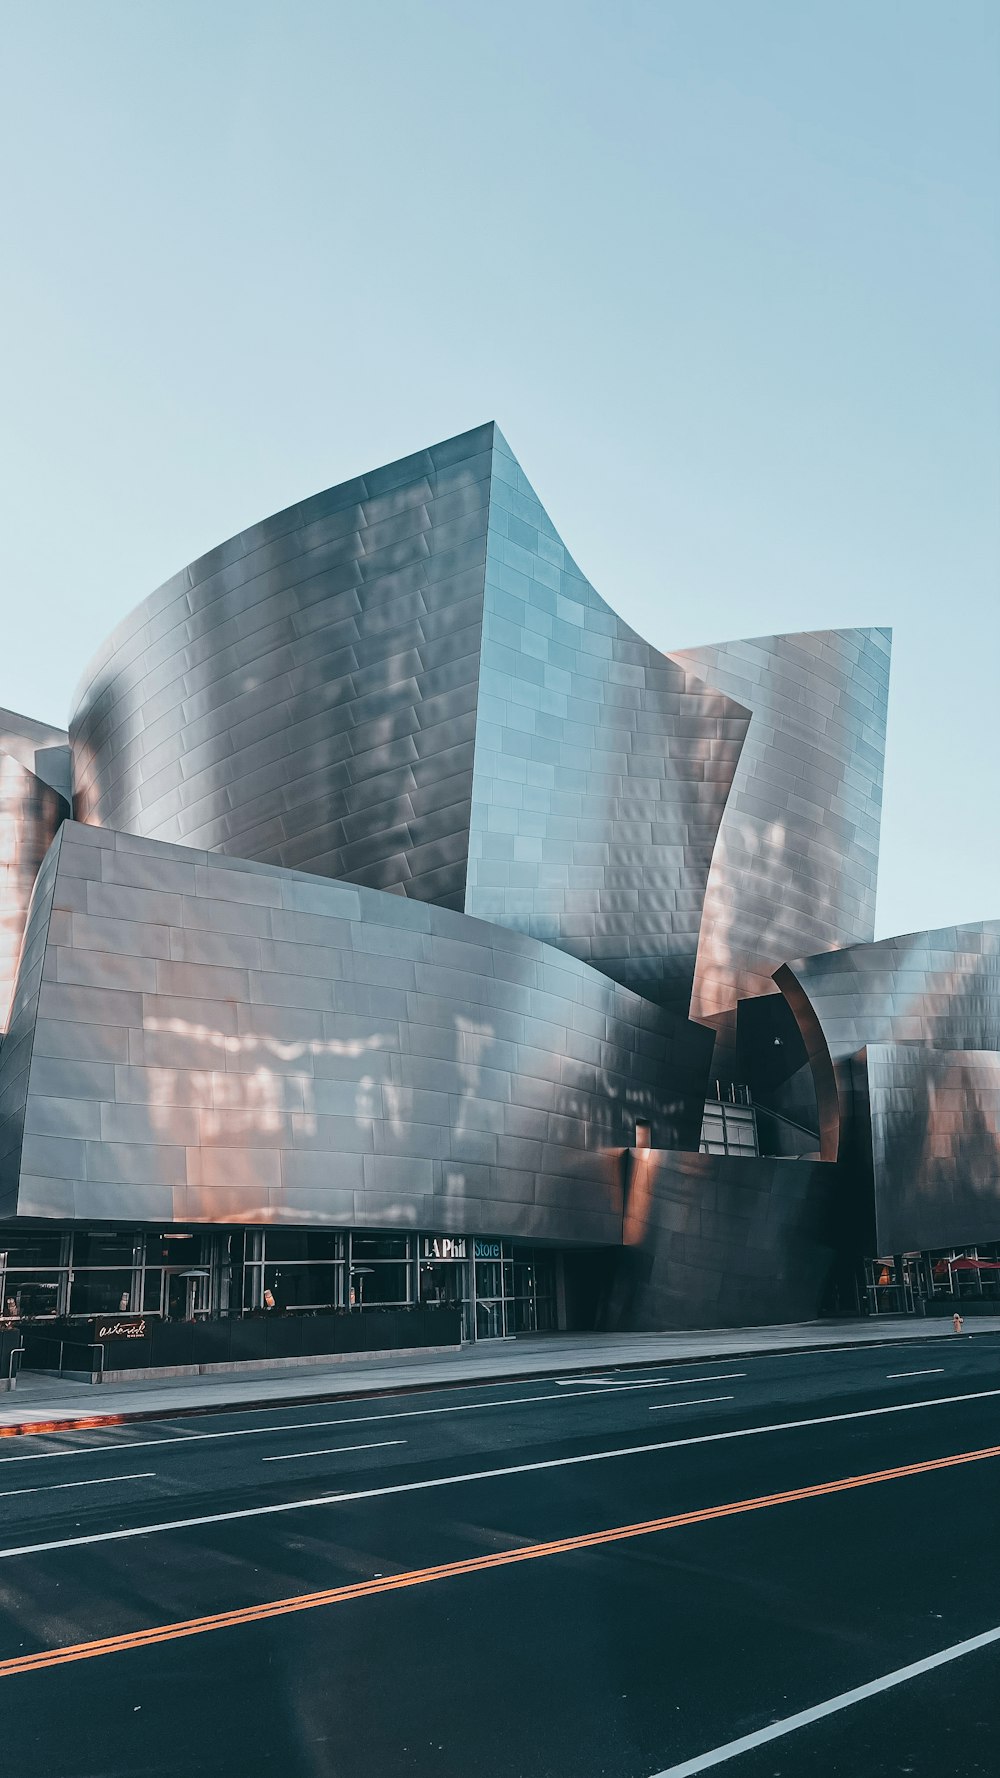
[[334, 1450], [98, 1482], [350, 1497], [698, 1402], [467, 1407], [937, 1372]]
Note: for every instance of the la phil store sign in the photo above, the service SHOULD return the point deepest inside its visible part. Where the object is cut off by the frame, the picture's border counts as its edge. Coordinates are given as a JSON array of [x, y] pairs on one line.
[[444, 1247]]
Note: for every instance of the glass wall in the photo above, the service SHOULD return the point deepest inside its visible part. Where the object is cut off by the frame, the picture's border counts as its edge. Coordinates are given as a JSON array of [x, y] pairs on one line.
[[293, 1270], [381, 1270], [34, 1272], [187, 1274], [515, 1290]]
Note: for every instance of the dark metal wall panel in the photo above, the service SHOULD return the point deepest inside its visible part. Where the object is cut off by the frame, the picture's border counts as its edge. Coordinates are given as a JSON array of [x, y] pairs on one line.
[[935, 1134], [30, 815], [795, 866], [16, 1049], [305, 694], [721, 1241], [220, 1040], [602, 766]]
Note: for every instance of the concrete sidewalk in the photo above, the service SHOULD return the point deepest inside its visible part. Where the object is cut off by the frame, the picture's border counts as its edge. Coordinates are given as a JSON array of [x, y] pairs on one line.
[[59, 1405]]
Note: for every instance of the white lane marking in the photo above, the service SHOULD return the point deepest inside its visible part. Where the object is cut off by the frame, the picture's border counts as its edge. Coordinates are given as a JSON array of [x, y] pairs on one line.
[[571, 1382], [56, 1487], [334, 1450], [698, 1402], [468, 1407], [482, 1475], [937, 1372], [702, 1762]]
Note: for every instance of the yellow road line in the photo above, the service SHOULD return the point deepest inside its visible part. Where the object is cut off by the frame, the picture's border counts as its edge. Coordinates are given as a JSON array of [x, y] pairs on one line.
[[418, 1577]]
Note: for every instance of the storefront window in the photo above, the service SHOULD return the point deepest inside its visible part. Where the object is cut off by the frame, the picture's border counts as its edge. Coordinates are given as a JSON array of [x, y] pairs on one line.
[[103, 1250], [442, 1282], [100, 1293], [303, 1245], [366, 1247], [27, 1249], [303, 1286], [381, 1270], [385, 1283], [31, 1293]]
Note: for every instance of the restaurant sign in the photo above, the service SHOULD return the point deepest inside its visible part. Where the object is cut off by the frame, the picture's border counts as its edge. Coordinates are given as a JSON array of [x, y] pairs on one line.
[[120, 1327]]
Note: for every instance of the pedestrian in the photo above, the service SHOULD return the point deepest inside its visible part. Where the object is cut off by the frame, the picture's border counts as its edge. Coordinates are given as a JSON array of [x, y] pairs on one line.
[[956, 1322]]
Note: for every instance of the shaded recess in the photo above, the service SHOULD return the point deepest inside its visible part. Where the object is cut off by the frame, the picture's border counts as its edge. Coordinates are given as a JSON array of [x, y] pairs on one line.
[[34, 799], [720, 1241]]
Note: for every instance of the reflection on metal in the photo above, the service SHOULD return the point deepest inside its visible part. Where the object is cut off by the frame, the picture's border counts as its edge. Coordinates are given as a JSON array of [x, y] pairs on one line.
[[903, 1037], [934, 1121], [602, 766], [324, 692], [939, 988], [38, 747], [30, 814], [795, 866], [537, 845], [720, 1241], [214, 1040], [305, 695]]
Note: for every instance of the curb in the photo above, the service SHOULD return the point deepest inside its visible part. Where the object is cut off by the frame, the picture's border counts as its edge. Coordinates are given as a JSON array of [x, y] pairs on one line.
[[87, 1422]]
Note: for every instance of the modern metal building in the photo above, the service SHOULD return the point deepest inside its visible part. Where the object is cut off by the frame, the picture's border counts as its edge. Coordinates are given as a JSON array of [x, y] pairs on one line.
[[407, 932]]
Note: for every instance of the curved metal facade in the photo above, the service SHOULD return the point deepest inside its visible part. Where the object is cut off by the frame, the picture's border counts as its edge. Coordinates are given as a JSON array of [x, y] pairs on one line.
[[932, 1117], [305, 694], [602, 766], [795, 866], [214, 1040], [939, 989], [324, 692], [30, 814]]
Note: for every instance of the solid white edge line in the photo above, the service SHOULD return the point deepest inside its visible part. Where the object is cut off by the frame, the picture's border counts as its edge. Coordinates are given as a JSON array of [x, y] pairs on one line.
[[334, 1450], [462, 1407], [716, 1756], [481, 1475], [937, 1371], [699, 1401], [103, 1481]]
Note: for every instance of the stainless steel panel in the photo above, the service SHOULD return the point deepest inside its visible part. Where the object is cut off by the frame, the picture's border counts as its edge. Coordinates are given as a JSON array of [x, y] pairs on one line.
[[453, 646], [795, 866], [414, 1064]]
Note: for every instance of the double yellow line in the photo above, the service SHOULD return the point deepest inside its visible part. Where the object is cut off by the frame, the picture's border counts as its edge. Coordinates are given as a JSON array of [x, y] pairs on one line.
[[419, 1577]]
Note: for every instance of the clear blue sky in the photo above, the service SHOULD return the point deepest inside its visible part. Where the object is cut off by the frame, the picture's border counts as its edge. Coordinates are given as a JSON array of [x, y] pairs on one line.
[[727, 273]]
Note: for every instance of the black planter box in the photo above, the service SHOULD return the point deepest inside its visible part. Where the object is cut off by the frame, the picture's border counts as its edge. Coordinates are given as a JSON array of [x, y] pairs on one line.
[[141, 1343]]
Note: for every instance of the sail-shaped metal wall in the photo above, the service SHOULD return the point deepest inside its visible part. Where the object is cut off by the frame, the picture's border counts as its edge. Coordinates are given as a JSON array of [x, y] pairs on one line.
[[796, 863], [322, 692]]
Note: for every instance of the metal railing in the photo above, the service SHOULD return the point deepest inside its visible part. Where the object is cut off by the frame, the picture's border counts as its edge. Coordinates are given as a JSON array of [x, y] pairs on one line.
[[94, 1367]]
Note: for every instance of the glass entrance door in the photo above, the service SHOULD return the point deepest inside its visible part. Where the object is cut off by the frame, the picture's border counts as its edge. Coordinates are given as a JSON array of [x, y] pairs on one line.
[[491, 1317], [515, 1290]]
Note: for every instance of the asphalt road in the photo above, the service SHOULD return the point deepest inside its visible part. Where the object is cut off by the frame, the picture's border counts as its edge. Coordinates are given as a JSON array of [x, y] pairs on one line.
[[605, 1577]]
